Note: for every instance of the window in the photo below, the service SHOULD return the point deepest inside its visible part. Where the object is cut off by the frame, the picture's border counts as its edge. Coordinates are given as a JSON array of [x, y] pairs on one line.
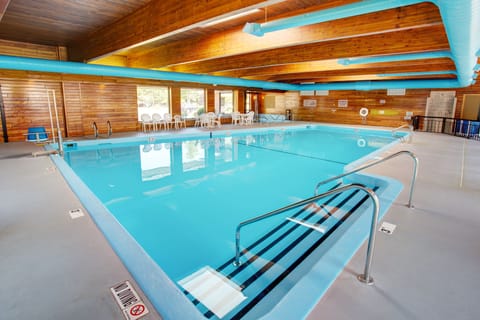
[[192, 102], [248, 102], [152, 100], [224, 101]]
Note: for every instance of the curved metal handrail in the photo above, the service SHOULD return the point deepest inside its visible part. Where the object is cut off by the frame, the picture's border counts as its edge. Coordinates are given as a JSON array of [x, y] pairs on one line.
[[95, 129], [109, 128], [365, 277], [371, 164], [402, 138]]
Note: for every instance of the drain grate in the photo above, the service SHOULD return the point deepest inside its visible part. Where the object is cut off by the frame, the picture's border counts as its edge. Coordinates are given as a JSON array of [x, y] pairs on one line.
[[387, 228], [76, 213], [129, 301]]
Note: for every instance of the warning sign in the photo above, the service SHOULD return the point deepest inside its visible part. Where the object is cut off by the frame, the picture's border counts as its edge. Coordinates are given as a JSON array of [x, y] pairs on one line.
[[129, 301], [136, 311]]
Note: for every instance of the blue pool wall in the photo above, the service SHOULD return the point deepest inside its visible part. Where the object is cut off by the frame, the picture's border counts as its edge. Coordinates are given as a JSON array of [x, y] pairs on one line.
[[166, 297]]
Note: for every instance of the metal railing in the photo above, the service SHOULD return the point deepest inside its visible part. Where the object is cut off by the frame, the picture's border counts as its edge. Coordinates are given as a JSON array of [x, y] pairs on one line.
[[96, 133], [371, 164], [365, 277], [453, 126], [95, 129], [109, 128], [402, 138]]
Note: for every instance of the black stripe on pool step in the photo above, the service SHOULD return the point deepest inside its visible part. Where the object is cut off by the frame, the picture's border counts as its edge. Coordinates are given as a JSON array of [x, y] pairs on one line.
[[297, 262], [274, 230], [291, 245], [283, 235]]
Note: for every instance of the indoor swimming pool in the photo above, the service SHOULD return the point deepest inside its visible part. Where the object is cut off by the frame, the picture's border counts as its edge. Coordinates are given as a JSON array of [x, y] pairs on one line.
[[169, 207]]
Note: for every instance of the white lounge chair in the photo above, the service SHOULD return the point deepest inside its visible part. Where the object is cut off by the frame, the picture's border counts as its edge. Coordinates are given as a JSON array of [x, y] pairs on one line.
[[158, 122], [179, 122], [236, 118], [249, 118], [147, 122], [167, 117]]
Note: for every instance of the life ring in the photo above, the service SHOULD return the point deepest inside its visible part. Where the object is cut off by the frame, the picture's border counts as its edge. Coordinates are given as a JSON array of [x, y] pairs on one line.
[[361, 143], [363, 112]]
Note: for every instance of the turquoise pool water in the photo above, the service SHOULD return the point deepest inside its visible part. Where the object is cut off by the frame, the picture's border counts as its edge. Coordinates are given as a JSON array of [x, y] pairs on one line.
[[180, 199]]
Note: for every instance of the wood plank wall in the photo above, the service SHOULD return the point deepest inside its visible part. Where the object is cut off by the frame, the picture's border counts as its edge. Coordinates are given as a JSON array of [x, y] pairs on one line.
[[86, 103], [26, 105], [22, 49], [384, 110]]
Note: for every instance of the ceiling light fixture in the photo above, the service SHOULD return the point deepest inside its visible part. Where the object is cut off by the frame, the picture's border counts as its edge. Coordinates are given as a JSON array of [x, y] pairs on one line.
[[227, 18]]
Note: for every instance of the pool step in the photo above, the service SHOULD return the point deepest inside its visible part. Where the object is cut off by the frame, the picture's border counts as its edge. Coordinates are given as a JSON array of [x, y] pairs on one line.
[[270, 259]]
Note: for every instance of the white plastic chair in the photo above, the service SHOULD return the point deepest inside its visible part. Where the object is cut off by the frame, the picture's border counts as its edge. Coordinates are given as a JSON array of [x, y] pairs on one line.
[[249, 117], [147, 122], [167, 117], [236, 119], [214, 120], [197, 121], [158, 121], [179, 122], [204, 120]]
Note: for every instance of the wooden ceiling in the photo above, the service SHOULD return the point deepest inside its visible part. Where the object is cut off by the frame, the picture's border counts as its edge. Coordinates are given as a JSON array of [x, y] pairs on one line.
[[171, 35]]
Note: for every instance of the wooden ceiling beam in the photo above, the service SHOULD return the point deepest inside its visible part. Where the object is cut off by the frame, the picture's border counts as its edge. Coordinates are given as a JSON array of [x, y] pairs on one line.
[[233, 42], [370, 77], [3, 7], [155, 19], [358, 71], [416, 40], [325, 65]]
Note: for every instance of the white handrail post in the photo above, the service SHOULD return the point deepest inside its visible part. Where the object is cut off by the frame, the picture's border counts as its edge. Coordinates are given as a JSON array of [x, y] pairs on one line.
[[59, 131]]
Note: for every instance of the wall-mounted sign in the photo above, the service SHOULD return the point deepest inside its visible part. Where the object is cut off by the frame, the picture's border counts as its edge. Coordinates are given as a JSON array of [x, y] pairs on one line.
[[310, 103], [342, 103], [321, 92], [307, 93], [395, 92]]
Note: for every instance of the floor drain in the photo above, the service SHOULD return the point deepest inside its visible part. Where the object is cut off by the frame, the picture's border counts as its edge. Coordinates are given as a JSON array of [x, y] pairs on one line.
[[387, 228], [129, 301], [76, 213]]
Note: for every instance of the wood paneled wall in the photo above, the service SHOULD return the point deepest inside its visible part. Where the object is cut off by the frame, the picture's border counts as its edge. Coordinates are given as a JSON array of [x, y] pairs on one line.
[[86, 103], [84, 99], [22, 49], [384, 110], [26, 105]]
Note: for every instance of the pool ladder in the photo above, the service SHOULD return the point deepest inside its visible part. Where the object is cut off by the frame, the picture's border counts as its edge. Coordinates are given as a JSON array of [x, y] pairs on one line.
[[365, 276], [402, 138], [95, 129]]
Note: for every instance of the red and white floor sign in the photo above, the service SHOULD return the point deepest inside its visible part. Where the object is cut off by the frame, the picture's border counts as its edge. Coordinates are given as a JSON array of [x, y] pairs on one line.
[[136, 311]]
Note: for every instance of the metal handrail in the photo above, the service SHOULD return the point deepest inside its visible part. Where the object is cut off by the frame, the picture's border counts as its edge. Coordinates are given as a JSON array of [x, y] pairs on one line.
[[365, 277], [109, 130], [403, 126], [95, 129], [402, 138], [371, 164]]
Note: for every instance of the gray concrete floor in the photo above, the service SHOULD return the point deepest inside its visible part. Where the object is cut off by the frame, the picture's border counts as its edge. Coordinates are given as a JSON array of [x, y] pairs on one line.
[[53, 267], [429, 267]]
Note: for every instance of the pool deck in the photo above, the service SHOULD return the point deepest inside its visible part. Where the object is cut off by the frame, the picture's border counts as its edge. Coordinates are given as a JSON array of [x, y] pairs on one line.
[[56, 267]]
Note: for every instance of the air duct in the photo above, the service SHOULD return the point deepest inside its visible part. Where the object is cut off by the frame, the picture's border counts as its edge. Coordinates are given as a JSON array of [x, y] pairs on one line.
[[43, 65], [461, 20]]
